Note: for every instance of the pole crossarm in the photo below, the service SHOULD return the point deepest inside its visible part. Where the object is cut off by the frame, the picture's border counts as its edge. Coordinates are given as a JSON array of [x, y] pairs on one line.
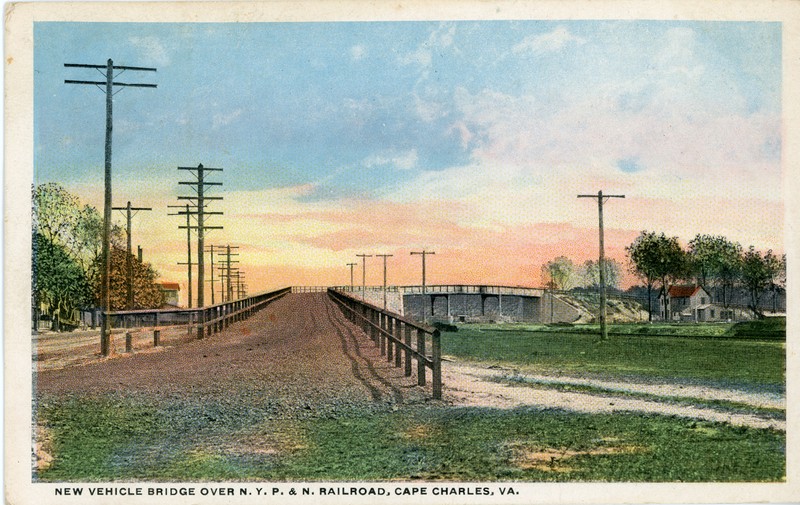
[[115, 67]]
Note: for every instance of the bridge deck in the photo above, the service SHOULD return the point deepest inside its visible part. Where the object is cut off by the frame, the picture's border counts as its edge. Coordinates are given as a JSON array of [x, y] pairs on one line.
[[298, 354]]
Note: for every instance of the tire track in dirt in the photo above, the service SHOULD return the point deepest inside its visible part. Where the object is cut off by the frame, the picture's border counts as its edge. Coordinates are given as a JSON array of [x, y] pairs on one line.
[[341, 326]]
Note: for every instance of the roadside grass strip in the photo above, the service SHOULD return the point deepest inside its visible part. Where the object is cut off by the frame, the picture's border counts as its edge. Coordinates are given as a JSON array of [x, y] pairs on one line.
[[745, 364], [516, 379], [91, 439]]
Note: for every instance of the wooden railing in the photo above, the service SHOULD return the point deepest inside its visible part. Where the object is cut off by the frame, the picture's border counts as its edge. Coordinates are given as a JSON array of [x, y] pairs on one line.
[[395, 336], [204, 320]]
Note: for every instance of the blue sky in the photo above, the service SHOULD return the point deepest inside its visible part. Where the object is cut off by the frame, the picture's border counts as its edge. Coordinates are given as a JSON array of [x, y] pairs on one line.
[[506, 120]]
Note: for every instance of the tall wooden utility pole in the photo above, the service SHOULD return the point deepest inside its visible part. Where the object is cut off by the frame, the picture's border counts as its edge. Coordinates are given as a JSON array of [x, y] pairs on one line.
[[130, 212], [225, 272], [188, 227], [602, 263], [364, 274], [423, 253], [201, 213], [108, 87], [351, 265], [211, 250], [384, 256]]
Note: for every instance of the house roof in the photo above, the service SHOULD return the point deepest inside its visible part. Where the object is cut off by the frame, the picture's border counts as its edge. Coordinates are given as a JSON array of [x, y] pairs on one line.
[[170, 286], [683, 291]]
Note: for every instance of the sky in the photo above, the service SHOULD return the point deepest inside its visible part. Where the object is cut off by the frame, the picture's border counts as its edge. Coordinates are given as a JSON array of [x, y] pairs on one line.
[[471, 139]]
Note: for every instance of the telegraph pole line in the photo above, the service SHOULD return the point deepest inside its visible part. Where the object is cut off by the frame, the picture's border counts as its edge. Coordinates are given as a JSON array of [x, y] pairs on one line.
[[188, 245], [211, 250], [107, 86], [423, 253], [351, 265], [225, 272], [384, 256], [601, 198], [130, 212], [364, 274], [201, 213]]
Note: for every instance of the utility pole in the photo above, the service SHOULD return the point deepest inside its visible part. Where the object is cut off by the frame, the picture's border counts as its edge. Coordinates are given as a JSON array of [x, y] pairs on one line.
[[107, 86], [384, 256], [601, 198], [188, 227], [201, 213], [351, 265], [423, 253], [225, 272], [364, 274], [130, 212], [211, 250]]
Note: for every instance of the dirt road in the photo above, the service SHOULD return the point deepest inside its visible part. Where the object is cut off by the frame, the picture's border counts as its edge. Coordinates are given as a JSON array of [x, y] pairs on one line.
[[300, 355], [299, 352]]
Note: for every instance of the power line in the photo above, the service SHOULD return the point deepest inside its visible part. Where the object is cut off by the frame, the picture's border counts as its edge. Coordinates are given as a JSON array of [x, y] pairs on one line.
[[601, 198], [107, 86]]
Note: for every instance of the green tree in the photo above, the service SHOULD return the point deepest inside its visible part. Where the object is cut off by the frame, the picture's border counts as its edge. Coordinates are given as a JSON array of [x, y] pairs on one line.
[[60, 285], [758, 272], [591, 273], [715, 259], [657, 259], [559, 273]]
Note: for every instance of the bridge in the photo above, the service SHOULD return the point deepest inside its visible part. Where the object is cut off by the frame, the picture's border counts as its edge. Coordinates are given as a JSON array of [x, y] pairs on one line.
[[464, 303], [392, 321]]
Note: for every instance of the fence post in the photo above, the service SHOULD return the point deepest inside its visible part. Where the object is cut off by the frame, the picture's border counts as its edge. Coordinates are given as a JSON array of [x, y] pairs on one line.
[[407, 329], [128, 341], [382, 326], [436, 350], [421, 358], [201, 326], [398, 352], [389, 343], [156, 338]]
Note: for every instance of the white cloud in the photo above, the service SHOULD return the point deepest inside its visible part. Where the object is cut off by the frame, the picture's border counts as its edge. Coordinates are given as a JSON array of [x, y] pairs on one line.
[[226, 119], [154, 51], [403, 161], [358, 52], [549, 42]]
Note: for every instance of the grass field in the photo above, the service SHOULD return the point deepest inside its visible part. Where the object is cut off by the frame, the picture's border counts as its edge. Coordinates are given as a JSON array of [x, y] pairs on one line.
[[127, 438], [104, 439], [750, 362]]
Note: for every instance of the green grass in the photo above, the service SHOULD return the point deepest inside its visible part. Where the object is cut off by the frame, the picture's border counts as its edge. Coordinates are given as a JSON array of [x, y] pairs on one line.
[[773, 328], [103, 439], [730, 361]]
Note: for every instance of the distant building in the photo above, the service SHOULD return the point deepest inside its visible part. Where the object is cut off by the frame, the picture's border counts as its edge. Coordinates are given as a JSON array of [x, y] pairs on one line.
[[689, 303], [172, 293]]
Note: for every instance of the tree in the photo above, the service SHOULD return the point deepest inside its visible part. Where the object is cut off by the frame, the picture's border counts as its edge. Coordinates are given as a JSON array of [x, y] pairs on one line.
[[715, 259], [657, 258], [559, 273], [591, 273], [59, 283], [758, 272], [146, 293], [66, 243]]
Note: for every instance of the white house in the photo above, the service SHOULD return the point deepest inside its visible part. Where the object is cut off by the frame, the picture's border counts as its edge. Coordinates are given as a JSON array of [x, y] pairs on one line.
[[689, 303]]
